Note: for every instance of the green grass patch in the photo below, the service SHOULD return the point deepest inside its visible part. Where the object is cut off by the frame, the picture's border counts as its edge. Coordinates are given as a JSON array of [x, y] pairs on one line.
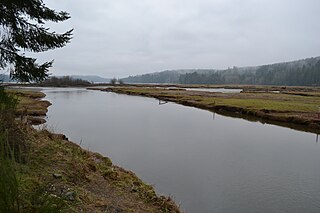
[[260, 104]]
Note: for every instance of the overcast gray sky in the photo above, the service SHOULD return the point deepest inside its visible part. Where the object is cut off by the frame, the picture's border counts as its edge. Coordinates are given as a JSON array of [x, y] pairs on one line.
[[126, 37]]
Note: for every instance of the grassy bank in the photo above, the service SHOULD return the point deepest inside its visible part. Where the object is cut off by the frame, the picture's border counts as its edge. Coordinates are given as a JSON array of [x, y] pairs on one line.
[[57, 175], [30, 106], [298, 110]]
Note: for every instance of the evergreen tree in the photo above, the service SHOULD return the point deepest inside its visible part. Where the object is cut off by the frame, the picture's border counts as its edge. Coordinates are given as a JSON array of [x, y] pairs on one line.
[[22, 29]]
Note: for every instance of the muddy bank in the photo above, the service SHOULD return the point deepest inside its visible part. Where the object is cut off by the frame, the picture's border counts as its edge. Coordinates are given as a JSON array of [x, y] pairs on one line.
[[288, 110]]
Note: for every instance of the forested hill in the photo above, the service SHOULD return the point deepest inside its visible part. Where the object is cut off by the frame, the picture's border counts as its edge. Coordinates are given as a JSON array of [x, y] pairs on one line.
[[305, 72], [168, 76]]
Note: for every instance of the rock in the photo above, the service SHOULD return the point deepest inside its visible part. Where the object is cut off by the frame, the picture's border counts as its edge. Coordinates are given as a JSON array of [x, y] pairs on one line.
[[113, 209], [70, 195], [134, 189], [57, 175], [52, 188], [58, 136], [36, 120]]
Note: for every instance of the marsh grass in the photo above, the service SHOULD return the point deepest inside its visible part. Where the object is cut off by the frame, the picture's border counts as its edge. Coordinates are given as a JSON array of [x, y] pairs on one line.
[[28, 102], [297, 108], [9, 154], [14, 165], [9, 190], [255, 101]]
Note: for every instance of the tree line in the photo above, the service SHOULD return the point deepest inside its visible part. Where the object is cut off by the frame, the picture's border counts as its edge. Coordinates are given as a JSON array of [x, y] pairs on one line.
[[305, 72], [63, 81], [302, 73]]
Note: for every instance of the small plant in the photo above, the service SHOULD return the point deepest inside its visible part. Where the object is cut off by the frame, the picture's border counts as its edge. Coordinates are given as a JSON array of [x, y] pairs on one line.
[[113, 81], [120, 81]]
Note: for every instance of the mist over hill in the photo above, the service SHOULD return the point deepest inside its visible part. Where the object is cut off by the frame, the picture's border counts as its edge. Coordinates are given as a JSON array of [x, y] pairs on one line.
[[304, 72]]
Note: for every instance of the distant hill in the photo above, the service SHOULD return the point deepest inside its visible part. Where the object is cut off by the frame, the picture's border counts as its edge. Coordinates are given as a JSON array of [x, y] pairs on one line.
[[305, 72], [91, 78]]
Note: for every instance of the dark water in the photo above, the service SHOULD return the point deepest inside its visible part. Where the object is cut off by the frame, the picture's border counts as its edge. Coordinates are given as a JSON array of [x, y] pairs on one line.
[[207, 162]]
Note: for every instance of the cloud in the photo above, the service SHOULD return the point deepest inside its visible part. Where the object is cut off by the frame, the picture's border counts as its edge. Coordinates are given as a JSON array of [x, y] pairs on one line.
[[124, 37]]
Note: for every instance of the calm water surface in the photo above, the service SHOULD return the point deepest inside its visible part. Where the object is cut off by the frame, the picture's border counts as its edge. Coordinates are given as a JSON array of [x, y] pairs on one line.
[[207, 162]]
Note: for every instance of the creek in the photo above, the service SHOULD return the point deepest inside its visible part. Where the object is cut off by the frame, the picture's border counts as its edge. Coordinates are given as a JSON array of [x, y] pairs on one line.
[[207, 162]]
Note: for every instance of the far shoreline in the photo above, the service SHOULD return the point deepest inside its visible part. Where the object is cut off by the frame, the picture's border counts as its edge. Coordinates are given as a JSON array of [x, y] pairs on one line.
[[308, 121]]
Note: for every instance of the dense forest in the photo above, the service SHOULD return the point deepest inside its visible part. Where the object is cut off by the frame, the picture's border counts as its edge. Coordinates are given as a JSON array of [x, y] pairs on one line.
[[304, 72]]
